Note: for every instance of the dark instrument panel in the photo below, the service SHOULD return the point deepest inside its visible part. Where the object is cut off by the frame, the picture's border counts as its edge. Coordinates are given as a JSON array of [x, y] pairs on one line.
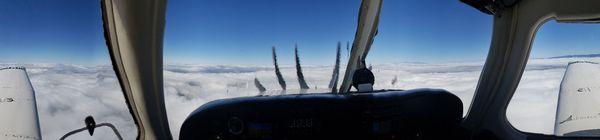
[[410, 114]]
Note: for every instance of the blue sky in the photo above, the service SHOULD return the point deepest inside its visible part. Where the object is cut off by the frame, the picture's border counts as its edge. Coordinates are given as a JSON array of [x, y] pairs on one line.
[[242, 32]]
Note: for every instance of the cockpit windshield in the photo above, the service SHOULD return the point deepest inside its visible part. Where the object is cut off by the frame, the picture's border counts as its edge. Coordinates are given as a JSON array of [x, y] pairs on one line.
[[224, 49]]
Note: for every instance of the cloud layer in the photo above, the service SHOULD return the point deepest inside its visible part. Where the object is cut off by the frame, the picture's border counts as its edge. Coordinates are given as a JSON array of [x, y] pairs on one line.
[[66, 94]]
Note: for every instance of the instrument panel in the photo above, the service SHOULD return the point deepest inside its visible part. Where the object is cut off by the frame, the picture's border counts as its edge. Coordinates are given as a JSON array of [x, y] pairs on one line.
[[415, 114]]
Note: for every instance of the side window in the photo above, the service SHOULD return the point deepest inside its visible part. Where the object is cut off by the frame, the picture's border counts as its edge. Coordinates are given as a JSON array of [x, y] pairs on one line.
[[61, 44], [558, 93]]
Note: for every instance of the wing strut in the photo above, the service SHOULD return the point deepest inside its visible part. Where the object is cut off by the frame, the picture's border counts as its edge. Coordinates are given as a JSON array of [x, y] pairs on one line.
[[368, 21]]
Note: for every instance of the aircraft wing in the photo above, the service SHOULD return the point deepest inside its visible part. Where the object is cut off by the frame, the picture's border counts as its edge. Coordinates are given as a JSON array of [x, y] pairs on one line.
[[19, 119], [578, 112]]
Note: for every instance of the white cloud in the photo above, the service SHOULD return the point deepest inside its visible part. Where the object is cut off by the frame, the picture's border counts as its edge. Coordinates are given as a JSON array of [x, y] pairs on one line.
[[66, 94]]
